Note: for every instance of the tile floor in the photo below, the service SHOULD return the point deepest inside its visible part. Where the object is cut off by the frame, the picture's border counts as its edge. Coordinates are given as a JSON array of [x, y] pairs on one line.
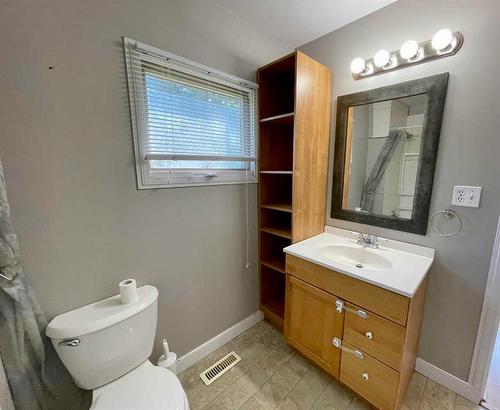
[[271, 375]]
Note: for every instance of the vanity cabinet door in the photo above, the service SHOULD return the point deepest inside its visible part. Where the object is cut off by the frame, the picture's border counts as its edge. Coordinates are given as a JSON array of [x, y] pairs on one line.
[[311, 323]]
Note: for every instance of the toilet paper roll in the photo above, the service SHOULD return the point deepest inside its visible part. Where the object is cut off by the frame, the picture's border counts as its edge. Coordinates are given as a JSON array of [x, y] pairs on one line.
[[128, 291]]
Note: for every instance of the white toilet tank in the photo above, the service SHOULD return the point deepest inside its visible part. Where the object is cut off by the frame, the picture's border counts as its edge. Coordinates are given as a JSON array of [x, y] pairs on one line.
[[100, 342]]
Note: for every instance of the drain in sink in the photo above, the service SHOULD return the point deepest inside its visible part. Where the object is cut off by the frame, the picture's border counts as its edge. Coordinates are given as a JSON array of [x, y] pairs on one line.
[[358, 265]]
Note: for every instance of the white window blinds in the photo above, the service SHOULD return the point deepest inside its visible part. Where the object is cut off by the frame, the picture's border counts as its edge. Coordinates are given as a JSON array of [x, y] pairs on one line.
[[187, 116]]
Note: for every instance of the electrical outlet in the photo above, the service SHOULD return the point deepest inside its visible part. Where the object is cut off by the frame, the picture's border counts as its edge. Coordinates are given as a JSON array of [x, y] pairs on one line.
[[466, 196]]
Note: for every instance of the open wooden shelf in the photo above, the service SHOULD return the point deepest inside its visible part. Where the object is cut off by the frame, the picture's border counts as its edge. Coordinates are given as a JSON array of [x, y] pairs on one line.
[[276, 223], [271, 251], [275, 188], [277, 265], [293, 129], [276, 118], [278, 207], [277, 172], [277, 89], [278, 231], [276, 136], [276, 145], [274, 312], [272, 300]]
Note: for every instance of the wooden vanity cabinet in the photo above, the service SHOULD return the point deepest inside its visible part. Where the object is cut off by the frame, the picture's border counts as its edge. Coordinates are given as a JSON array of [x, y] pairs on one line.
[[376, 330]]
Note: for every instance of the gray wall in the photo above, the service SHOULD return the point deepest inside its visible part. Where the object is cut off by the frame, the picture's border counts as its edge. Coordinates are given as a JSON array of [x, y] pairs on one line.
[[66, 145], [468, 152]]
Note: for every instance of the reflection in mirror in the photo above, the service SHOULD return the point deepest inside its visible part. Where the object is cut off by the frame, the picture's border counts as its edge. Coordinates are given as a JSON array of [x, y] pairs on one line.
[[382, 155]]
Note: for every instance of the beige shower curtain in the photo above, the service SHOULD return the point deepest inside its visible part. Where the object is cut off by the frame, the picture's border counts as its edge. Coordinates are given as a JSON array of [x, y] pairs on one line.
[[383, 159], [36, 377]]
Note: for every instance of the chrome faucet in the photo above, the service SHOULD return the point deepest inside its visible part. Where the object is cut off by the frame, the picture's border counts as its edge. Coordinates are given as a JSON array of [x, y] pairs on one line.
[[367, 241]]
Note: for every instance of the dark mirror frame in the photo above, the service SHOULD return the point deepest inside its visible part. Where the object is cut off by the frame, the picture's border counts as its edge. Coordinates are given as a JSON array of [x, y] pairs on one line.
[[435, 89]]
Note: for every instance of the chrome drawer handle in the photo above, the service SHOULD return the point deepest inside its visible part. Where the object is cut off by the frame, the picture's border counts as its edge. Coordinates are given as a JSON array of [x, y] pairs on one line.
[[365, 376], [340, 306], [338, 344], [369, 335], [69, 342]]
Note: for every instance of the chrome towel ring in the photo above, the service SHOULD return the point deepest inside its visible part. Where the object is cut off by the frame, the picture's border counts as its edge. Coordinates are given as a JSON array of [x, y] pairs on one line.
[[449, 213]]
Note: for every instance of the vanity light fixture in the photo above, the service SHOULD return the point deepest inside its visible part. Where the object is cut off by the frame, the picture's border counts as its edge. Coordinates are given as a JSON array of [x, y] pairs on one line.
[[442, 40], [358, 65], [443, 44], [409, 50], [382, 58]]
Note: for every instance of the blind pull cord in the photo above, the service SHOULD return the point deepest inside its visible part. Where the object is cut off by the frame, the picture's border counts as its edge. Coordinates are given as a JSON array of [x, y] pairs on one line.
[[247, 265]]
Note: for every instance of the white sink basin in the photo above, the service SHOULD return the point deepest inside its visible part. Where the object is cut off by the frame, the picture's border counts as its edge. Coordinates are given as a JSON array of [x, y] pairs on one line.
[[396, 266], [360, 258]]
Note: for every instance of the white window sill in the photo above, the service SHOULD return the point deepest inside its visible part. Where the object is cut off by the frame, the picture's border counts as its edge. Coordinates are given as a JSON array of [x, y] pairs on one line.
[[150, 179], [193, 184]]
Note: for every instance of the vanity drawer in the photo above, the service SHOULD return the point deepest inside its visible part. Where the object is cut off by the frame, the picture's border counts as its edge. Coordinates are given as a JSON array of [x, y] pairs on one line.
[[370, 378], [381, 301], [375, 336]]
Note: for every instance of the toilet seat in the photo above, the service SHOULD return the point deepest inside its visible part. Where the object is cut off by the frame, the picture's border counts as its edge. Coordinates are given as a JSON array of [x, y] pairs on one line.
[[146, 387]]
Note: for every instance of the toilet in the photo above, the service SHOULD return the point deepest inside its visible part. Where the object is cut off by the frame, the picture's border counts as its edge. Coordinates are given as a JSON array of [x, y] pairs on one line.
[[105, 347]]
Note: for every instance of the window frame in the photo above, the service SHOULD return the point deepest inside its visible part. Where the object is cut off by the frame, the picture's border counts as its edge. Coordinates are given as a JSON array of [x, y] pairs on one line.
[[153, 178]]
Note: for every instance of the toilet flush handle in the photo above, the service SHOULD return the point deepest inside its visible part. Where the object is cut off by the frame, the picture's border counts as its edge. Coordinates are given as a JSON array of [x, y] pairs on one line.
[[69, 342]]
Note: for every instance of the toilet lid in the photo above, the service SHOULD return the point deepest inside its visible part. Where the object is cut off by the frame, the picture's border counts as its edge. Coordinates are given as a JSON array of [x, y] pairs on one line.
[[147, 387]]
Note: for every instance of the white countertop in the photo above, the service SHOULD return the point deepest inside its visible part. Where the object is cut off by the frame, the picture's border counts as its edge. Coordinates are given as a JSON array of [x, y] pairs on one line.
[[410, 263]]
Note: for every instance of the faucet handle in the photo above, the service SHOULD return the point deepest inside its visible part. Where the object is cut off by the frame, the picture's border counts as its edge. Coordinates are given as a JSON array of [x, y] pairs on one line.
[[361, 239]]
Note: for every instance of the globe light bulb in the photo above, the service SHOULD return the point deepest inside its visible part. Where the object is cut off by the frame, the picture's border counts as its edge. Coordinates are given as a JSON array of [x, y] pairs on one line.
[[358, 65], [442, 39], [381, 58], [409, 49]]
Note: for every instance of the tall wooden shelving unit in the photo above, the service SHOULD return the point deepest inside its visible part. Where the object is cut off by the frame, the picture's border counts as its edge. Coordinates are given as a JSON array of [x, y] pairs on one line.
[[294, 123]]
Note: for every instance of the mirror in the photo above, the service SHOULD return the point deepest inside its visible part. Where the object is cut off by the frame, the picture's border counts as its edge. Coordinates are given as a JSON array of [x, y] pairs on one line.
[[383, 141], [385, 152]]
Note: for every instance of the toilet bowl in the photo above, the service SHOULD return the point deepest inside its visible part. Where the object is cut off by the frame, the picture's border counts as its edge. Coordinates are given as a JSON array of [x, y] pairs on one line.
[[105, 347], [145, 387]]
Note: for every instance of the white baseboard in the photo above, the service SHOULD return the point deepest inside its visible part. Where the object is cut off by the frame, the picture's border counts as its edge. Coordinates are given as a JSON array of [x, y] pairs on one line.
[[213, 344], [447, 380]]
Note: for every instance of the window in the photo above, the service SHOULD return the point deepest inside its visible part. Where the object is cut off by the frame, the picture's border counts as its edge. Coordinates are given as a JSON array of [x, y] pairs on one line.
[[192, 125]]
